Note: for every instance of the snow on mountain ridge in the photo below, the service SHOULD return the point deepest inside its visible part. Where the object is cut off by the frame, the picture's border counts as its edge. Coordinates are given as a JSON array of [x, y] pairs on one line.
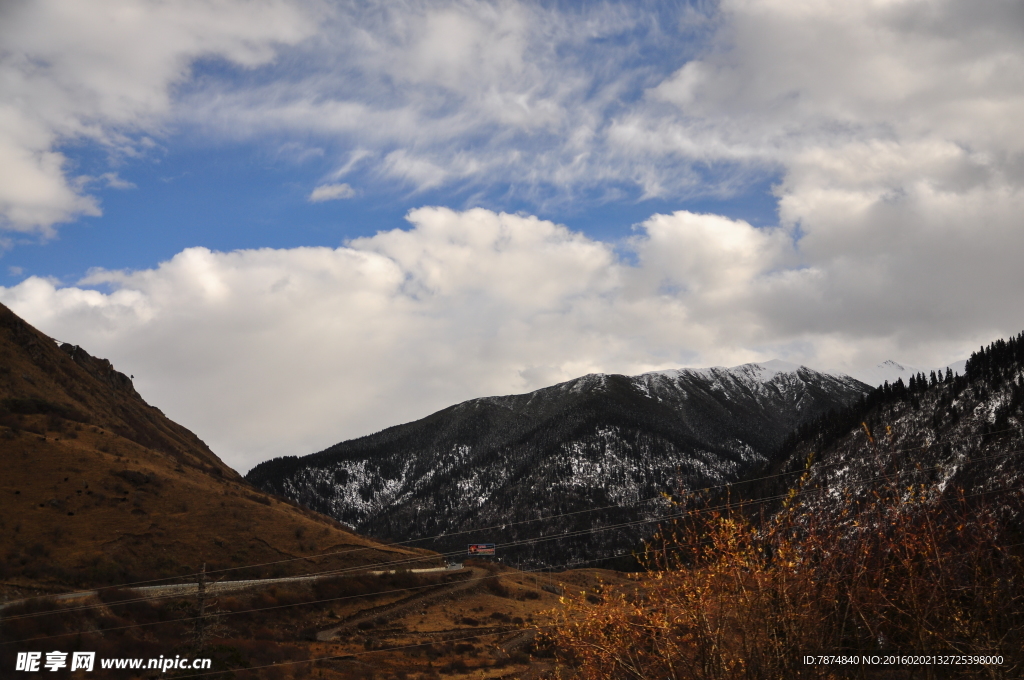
[[761, 371], [605, 441], [766, 371], [891, 371]]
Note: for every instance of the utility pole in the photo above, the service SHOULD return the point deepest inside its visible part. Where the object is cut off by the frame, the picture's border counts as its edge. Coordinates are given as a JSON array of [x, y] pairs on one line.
[[207, 623], [199, 632]]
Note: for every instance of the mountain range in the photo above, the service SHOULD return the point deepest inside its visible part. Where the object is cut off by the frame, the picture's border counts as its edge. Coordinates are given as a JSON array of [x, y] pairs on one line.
[[99, 488], [493, 469]]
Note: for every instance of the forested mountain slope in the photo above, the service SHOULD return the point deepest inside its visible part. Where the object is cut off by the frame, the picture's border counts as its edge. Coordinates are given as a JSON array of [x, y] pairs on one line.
[[597, 441], [941, 433]]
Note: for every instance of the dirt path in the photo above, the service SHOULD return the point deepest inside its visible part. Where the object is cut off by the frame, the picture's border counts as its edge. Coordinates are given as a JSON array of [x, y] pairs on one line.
[[518, 641], [402, 607]]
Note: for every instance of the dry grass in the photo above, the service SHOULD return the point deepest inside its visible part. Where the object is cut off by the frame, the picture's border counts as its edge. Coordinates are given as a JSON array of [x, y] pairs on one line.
[[435, 641], [732, 596], [97, 487], [74, 515]]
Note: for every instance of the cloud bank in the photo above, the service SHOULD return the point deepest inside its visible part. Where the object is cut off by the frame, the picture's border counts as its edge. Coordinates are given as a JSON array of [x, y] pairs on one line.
[[272, 352], [295, 349]]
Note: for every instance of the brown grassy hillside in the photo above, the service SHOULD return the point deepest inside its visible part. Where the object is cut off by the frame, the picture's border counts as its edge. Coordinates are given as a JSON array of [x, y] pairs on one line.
[[98, 487]]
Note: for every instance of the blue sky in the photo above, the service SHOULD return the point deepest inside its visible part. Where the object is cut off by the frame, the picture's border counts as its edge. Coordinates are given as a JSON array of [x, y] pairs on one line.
[[296, 221], [241, 195]]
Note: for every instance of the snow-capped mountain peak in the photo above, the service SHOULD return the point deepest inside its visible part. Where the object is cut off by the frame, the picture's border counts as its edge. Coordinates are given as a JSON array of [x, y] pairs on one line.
[[765, 371], [600, 440], [890, 371]]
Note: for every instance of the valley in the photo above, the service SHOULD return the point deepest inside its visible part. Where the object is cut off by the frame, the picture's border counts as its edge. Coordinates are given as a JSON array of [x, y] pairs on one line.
[[123, 534], [109, 512]]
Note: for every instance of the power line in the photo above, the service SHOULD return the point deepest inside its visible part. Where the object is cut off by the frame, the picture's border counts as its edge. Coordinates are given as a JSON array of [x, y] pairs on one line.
[[349, 655], [374, 651], [494, 527], [286, 606], [512, 544], [542, 539]]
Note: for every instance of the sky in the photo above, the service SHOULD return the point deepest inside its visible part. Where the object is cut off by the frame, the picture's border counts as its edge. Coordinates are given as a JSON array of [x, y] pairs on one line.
[[301, 221]]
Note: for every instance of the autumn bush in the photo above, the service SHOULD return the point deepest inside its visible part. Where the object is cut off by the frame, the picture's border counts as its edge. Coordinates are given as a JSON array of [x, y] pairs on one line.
[[731, 594]]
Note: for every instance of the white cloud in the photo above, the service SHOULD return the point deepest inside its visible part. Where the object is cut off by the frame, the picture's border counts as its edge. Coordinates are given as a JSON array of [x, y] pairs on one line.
[[893, 129], [467, 93], [113, 181], [268, 352], [103, 71], [542, 99], [331, 192], [868, 98]]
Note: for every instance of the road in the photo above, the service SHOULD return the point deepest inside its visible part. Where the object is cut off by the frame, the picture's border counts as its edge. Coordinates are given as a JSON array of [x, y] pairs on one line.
[[221, 587]]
